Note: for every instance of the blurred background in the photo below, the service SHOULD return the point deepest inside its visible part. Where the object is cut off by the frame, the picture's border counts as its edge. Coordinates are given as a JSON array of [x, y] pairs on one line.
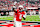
[[32, 9]]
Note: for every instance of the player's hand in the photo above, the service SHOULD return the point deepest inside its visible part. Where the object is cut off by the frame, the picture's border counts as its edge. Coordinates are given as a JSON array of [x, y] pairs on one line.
[[24, 18]]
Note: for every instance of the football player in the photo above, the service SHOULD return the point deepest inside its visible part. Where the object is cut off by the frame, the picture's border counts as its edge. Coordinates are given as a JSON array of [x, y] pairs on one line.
[[18, 16]]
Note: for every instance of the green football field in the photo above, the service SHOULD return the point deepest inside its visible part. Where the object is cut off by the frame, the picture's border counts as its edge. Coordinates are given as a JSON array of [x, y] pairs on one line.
[[28, 18]]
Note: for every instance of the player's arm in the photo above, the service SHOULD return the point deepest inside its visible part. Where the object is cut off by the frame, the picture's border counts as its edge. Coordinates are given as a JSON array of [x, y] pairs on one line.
[[24, 16], [14, 17], [14, 14]]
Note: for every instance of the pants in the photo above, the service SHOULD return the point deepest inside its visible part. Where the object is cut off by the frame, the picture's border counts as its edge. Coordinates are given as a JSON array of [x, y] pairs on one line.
[[17, 24]]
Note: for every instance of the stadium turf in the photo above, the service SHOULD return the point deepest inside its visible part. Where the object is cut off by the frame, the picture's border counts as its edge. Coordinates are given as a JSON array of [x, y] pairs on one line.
[[28, 18]]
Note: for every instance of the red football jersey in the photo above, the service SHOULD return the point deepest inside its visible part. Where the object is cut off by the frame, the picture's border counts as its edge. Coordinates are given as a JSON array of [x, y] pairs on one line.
[[19, 15]]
